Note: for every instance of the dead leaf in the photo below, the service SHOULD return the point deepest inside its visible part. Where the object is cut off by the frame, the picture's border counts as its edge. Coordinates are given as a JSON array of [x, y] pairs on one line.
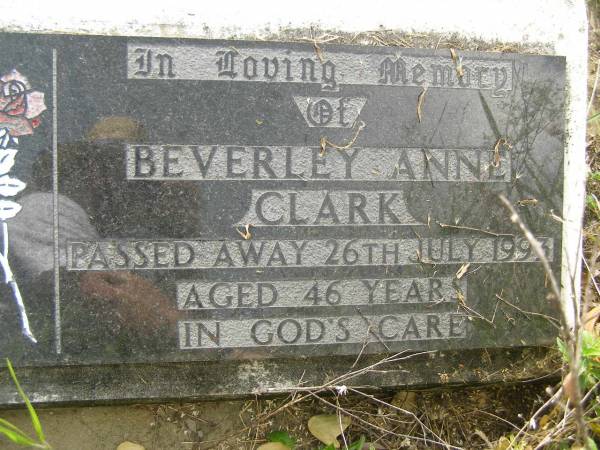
[[481, 399], [463, 269], [453, 55], [420, 100], [591, 318], [323, 145], [326, 428], [505, 443], [528, 201], [569, 386], [483, 436], [460, 297], [457, 62], [594, 427], [273, 446], [129, 446], [406, 400], [246, 234], [544, 421], [319, 52], [501, 142], [502, 444]]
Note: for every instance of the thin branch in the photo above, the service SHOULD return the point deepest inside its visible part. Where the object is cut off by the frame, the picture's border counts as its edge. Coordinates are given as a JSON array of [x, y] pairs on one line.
[[551, 401], [537, 248], [383, 430], [591, 102], [458, 227], [572, 337], [403, 411], [324, 142], [420, 100], [528, 313], [592, 279]]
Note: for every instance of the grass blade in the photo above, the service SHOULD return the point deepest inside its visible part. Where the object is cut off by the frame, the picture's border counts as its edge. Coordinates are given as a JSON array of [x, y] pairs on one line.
[[37, 426], [7, 424], [17, 437]]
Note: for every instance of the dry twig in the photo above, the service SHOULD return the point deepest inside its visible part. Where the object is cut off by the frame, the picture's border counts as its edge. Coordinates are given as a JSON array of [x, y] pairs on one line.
[[324, 142], [458, 227], [457, 63], [501, 142], [572, 338], [420, 100], [246, 234]]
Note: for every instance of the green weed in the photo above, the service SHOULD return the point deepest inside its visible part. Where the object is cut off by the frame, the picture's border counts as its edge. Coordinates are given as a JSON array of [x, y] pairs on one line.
[[14, 433]]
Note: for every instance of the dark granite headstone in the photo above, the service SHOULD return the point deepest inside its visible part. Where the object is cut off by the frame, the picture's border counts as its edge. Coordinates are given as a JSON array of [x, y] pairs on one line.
[[209, 218]]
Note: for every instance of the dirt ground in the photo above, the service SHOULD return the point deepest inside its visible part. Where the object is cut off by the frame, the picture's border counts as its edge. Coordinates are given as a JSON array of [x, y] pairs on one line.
[[97, 428], [154, 427], [463, 417]]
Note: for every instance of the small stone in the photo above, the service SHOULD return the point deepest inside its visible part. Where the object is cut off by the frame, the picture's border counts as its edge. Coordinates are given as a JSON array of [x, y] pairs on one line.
[[127, 445]]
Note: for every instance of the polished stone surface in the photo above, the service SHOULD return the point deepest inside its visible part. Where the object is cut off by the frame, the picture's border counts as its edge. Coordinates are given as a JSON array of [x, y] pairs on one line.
[[221, 200]]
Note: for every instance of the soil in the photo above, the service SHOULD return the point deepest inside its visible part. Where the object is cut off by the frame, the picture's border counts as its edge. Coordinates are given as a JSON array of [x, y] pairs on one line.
[[465, 417]]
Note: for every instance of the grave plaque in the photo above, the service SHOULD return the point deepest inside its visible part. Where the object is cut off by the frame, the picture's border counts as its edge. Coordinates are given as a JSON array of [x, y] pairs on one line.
[[195, 211]]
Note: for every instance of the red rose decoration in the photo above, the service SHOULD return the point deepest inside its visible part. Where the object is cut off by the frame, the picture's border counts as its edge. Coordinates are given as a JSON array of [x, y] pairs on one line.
[[19, 105]]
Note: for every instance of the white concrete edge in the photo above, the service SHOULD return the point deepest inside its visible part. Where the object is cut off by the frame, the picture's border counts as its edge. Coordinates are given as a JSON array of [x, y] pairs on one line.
[[574, 46], [528, 21], [560, 25]]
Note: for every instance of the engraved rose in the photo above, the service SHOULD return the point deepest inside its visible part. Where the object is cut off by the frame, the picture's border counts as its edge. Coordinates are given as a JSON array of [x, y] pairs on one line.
[[19, 110], [19, 105]]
